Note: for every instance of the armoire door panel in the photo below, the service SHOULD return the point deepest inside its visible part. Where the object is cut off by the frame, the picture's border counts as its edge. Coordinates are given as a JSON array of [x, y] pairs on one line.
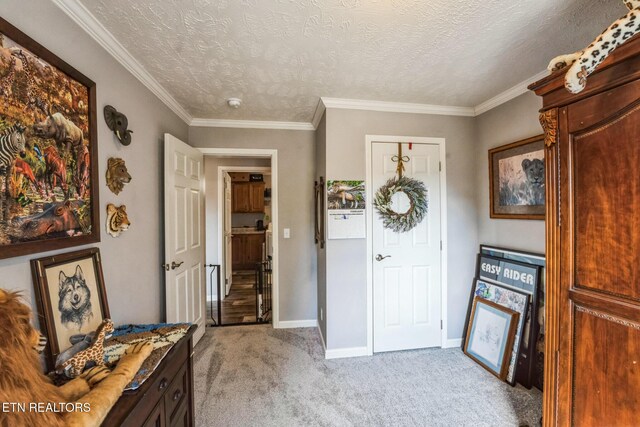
[[606, 383], [606, 201]]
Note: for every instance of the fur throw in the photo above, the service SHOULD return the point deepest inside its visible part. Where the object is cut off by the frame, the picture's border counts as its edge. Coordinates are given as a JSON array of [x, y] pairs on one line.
[[584, 62], [23, 383]]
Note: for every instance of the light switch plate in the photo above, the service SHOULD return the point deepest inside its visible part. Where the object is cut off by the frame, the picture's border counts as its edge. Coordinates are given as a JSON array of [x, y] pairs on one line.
[[287, 233]]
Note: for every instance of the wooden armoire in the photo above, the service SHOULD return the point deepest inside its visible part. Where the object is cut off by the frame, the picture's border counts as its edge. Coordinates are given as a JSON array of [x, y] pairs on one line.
[[592, 347]]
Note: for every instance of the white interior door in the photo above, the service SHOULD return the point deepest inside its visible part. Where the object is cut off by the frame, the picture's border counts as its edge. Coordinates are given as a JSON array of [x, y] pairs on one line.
[[184, 234], [228, 253], [407, 283]]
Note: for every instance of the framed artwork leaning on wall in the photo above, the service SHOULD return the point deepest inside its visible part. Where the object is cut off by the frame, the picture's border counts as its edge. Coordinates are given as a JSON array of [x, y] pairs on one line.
[[71, 298], [490, 336], [517, 180]]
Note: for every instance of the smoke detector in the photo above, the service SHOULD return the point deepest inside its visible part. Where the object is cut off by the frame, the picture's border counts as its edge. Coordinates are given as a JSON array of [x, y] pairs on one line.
[[234, 102]]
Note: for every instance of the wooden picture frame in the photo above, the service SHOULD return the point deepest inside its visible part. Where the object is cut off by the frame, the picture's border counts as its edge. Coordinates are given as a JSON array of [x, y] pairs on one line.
[[514, 299], [517, 180], [532, 355], [319, 209], [490, 336], [49, 109], [71, 297]]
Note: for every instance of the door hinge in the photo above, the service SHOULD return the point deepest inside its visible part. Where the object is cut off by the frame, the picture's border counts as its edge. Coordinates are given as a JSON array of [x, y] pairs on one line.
[[441, 324], [440, 166], [440, 244]]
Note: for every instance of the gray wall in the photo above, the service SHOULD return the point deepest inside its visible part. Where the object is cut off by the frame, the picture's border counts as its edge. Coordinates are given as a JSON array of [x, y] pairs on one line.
[[133, 277], [346, 259], [321, 147], [211, 164], [298, 298], [510, 122]]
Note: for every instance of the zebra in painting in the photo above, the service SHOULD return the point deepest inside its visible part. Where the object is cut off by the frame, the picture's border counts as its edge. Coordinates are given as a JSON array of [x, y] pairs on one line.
[[12, 144]]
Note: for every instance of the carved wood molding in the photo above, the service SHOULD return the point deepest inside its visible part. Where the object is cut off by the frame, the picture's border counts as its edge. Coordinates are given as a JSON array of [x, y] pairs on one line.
[[549, 122], [608, 317]]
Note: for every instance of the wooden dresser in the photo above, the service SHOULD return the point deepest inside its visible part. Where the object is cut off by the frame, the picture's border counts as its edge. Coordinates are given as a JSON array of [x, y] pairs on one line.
[[592, 361], [165, 398]]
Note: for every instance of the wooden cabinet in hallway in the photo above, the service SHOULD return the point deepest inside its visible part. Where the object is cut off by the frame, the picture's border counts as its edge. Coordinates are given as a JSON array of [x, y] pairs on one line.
[[246, 250]]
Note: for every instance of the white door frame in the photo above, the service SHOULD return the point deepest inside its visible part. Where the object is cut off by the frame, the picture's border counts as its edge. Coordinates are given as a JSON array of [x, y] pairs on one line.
[[273, 155], [221, 171], [369, 140]]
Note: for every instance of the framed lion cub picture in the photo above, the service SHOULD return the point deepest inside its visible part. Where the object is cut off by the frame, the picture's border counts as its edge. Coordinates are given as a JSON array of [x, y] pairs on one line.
[[517, 180], [71, 298]]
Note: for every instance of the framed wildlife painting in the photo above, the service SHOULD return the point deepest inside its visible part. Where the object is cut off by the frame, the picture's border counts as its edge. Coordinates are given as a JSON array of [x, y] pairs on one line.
[[48, 150], [71, 298], [517, 180]]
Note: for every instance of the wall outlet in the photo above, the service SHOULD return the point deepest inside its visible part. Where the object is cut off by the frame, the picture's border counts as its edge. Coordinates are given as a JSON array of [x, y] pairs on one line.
[[287, 233], [321, 314]]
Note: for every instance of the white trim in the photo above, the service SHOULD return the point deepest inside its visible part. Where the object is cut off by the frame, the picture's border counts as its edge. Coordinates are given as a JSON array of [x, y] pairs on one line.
[[273, 154], [341, 353], [250, 124], [92, 26], [508, 94], [238, 152], [324, 346], [396, 107], [369, 140], [451, 343], [221, 170], [288, 324], [85, 19], [317, 115]]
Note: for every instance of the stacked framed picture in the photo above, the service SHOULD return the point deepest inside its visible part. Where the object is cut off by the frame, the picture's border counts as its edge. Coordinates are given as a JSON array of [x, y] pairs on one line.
[[514, 280]]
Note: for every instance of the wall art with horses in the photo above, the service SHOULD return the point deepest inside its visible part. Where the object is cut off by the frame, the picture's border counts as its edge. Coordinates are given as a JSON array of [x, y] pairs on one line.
[[48, 150]]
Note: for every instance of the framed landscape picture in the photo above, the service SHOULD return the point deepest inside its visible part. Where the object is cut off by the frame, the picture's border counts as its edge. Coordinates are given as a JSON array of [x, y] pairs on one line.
[[48, 150], [71, 298], [517, 180], [490, 336]]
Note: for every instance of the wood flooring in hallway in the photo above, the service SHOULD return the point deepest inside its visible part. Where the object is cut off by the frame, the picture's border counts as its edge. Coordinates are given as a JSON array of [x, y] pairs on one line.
[[240, 305]]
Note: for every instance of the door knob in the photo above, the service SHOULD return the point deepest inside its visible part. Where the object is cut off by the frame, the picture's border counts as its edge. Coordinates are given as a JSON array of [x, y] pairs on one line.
[[380, 257], [175, 265]]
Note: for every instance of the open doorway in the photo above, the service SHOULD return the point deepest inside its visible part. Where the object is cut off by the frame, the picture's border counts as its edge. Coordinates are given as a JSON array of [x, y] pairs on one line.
[[240, 217]]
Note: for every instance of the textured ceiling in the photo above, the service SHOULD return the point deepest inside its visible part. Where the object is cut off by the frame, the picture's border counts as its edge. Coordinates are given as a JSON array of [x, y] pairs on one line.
[[280, 56]]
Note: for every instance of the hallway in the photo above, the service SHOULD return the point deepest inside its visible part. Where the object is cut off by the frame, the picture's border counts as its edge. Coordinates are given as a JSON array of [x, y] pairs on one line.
[[240, 305]]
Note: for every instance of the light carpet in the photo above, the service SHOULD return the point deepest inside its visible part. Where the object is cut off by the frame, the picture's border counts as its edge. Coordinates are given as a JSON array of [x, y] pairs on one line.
[[260, 376]]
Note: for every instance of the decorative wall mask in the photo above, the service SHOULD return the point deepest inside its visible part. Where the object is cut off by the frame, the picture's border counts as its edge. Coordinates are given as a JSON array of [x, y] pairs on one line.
[[118, 123], [117, 220], [117, 175]]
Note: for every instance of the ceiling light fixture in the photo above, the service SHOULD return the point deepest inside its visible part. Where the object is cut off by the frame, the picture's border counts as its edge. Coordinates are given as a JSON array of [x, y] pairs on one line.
[[234, 102]]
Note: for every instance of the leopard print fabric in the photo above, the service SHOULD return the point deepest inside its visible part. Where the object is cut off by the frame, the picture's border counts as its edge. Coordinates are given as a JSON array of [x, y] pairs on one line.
[[584, 62]]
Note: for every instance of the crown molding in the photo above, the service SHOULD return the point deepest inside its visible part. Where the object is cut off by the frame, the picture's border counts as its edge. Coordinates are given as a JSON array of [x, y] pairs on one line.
[[396, 107], [317, 116], [508, 94], [85, 19], [251, 124]]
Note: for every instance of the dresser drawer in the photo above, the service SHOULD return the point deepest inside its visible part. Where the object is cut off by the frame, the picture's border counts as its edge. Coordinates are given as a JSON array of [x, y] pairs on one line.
[[178, 394]]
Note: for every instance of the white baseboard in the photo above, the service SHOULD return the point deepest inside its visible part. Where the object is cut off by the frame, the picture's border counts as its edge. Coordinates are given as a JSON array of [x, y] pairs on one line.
[[451, 343], [340, 353], [287, 324]]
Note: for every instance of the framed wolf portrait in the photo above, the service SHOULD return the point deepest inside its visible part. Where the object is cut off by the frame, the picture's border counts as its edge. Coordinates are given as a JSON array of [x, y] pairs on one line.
[[48, 150], [517, 180], [71, 298]]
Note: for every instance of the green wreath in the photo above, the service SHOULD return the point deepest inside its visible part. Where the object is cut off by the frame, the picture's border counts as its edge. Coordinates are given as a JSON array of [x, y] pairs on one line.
[[419, 204]]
